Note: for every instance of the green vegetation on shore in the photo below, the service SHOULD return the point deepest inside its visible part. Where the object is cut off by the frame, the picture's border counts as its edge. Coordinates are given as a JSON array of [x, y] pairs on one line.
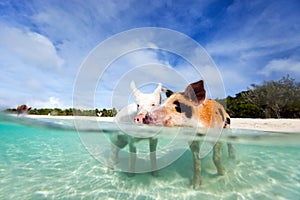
[[70, 111], [271, 99]]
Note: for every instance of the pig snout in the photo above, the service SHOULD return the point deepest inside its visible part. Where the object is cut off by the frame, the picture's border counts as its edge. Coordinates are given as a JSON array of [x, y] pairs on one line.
[[157, 116], [147, 119], [139, 118], [143, 119]]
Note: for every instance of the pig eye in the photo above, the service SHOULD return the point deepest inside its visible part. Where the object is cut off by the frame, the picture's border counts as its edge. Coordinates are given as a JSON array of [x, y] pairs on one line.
[[152, 104], [177, 106], [183, 108], [138, 105]]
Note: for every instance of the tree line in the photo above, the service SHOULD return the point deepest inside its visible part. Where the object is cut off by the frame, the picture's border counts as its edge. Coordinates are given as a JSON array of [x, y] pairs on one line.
[[271, 99], [70, 111]]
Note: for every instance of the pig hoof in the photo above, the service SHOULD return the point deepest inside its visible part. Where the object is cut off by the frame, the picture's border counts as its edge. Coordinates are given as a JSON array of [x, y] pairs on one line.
[[155, 173], [222, 172], [130, 174], [196, 185]]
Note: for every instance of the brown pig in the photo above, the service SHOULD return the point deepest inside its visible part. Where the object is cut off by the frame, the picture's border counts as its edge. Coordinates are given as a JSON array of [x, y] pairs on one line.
[[192, 108]]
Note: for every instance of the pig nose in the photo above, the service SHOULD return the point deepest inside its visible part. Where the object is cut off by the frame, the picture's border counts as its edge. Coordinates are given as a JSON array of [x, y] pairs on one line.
[[139, 118], [147, 119]]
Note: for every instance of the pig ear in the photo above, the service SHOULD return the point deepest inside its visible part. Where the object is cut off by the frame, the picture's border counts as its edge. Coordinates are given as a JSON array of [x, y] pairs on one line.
[[158, 89], [135, 91], [157, 92], [195, 92], [168, 92]]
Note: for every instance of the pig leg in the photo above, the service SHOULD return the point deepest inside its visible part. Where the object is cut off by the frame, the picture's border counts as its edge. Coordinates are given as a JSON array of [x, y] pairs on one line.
[[113, 156], [132, 150], [194, 146], [231, 151], [117, 142], [153, 145], [217, 154]]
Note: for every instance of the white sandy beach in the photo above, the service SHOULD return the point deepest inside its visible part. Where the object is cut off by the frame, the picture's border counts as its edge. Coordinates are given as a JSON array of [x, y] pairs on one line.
[[281, 125], [105, 119]]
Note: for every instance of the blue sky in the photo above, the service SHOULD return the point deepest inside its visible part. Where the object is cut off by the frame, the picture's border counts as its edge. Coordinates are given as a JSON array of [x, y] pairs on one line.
[[44, 43]]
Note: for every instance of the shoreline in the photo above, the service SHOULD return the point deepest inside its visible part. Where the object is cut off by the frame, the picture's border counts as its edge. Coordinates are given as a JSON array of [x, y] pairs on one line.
[[104, 119], [270, 124]]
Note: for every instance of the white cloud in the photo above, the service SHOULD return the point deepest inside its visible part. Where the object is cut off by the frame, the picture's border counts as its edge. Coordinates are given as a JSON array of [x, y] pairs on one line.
[[31, 48], [246, 41], [282, 66], [257, 33], [52, 102], [33, 85]]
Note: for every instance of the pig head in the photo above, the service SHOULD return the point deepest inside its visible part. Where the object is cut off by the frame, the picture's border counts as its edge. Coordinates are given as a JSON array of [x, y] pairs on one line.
[[145, 102], [188, 108]]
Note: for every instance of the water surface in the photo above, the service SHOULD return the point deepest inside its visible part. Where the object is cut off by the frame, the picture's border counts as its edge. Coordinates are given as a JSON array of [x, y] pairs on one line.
[[47, 159]]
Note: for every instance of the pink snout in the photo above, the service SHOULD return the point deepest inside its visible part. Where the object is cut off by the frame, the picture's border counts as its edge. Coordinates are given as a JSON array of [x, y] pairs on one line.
[[157, 116], [140, 118]]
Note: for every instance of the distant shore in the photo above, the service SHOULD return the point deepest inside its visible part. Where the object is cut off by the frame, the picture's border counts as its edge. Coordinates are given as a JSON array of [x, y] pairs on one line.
[[106, 119], [281, 125]]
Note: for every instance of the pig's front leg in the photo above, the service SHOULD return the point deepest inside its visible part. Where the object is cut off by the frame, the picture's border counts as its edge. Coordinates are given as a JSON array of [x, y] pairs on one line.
[[132, 150], [117, 143], [217, 155], [113, 156], [231, 151], [153, 145], [194, 146]]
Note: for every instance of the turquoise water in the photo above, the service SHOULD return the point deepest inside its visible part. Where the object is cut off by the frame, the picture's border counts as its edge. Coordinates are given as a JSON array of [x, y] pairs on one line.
[[47, 159]]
